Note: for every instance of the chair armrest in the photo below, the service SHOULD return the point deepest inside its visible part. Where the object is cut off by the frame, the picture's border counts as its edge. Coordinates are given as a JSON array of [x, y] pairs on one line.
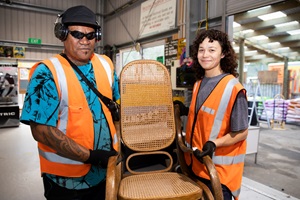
[[178, 124], [214, 178], [113, 178], [181, 148]]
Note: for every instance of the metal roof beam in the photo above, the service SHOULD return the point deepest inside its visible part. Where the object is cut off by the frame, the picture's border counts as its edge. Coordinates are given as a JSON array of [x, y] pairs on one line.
[[267, 24], [274, 8]]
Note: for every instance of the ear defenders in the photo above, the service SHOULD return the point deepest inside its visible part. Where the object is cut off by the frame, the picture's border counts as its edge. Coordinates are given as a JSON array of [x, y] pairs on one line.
[[61, 31]]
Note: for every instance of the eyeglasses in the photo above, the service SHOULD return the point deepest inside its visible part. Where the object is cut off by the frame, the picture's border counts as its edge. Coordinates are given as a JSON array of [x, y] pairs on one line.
[[79, 35]]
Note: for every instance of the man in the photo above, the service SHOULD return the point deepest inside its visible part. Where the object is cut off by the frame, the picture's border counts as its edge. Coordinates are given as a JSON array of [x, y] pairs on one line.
[[73, 127]]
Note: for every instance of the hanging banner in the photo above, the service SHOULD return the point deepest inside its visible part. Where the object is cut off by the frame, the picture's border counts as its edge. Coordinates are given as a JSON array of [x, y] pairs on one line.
[[157, 16]]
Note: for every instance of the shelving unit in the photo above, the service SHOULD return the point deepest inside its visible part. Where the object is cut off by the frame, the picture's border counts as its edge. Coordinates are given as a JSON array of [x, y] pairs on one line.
[[279, 111]]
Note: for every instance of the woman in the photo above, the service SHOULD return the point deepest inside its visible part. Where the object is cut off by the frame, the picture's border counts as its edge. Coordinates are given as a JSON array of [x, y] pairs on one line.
[[217, 122]]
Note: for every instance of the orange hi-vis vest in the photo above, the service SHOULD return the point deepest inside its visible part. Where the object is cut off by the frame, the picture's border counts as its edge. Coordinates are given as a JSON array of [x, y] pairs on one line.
[[75, 118], [210, 122]]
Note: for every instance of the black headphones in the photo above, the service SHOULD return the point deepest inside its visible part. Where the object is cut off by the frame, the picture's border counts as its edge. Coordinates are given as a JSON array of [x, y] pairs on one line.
[[61, 31]]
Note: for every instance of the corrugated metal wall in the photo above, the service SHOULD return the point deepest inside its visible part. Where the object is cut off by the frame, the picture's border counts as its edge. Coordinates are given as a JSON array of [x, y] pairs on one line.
[[19, 25], [122, 27], [34, 19]]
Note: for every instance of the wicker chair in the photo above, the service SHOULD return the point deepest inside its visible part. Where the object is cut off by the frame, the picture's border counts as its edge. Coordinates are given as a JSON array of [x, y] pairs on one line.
[[147, 127]]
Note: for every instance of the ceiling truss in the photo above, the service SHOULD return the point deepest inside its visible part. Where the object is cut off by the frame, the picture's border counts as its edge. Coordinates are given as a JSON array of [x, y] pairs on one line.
[[279, 44]]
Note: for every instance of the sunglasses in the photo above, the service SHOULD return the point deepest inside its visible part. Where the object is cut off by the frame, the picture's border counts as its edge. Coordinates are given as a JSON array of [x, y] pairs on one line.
[[79, 35]]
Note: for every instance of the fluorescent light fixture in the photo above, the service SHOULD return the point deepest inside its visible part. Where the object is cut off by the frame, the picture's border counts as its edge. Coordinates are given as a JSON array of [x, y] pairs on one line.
[[287, 24], [294, 32], [261, 8], [260, 37], [273, 43], [283, 49], [247, 31], [273, 15], [235, 24], [238, 47], [251, 53]]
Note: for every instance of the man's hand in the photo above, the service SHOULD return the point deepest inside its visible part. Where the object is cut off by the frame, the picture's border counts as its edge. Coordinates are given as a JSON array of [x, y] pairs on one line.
[[183, 109], [100, 157], [208, 149]]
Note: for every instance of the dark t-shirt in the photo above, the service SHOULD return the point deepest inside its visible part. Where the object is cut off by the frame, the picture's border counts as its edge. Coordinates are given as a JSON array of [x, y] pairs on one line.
[[239, 114]]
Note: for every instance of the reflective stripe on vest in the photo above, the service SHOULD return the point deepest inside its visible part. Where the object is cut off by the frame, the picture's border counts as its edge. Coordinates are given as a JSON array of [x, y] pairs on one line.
[[63, 106], [228, 160], [115, 139], [107, 68], [236, 193], [216, 127], [53, 157]]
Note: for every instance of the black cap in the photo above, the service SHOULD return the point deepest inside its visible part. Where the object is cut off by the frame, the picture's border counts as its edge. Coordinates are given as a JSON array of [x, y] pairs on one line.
[[79, 15]]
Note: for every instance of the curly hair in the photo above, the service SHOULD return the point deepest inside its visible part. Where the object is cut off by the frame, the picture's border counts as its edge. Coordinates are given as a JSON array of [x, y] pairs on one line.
[[228, 63]]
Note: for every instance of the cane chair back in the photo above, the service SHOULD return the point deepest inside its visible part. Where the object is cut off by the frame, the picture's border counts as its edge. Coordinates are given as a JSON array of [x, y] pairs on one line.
[[146, 100], [148, 127]]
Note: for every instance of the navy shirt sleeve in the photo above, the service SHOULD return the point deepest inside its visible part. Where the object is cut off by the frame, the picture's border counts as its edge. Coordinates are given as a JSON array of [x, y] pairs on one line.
[[239, 114]]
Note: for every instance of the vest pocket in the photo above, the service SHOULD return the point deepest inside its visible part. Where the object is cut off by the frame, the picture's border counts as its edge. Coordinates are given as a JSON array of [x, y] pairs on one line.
[[76, 109], [77, 121]]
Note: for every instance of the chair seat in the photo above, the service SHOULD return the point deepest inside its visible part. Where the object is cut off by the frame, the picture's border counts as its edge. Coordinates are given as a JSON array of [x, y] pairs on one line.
[[166, 185]]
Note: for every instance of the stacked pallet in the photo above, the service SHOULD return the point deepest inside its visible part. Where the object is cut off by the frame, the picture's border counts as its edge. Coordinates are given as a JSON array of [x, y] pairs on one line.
[[293, 112], [275, 109]]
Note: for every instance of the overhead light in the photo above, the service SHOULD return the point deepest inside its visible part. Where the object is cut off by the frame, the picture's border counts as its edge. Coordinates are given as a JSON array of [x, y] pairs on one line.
[[282, 49], [235, 24], [261, 8], [238, 47], [273, 44], [294, 32], [287, 24], [247, 31], [260, 37], [251, 53], [273, 15]]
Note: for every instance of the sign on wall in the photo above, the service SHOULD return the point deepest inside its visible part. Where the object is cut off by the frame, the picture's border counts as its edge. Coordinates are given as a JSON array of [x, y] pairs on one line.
[[170, 52], [12, 52], [8, 84], [157, 16]]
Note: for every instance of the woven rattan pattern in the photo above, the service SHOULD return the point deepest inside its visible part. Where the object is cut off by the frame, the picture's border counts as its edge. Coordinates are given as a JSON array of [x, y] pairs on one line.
[[154, 186], [147, 109]]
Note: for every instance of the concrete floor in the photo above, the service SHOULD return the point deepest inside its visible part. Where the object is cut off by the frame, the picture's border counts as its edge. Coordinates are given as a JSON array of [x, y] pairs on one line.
[[274, 176], [19, 163], [278, 159]]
